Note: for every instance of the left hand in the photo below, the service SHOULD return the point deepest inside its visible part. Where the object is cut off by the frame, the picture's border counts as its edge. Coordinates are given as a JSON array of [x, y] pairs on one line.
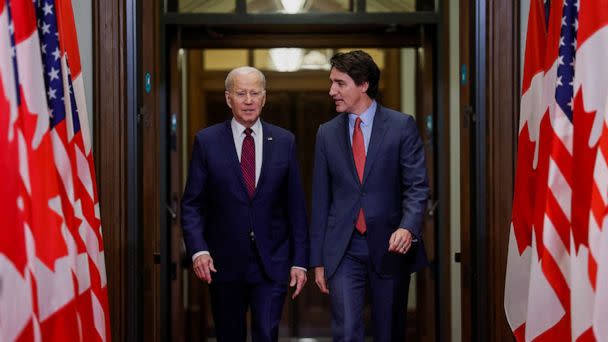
[[298, 279], [400, 241]]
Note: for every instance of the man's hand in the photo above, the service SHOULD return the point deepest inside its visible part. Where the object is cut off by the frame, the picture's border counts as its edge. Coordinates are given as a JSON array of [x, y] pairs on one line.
[[298, 279], [203, 266], [400, 241], [320, 279]]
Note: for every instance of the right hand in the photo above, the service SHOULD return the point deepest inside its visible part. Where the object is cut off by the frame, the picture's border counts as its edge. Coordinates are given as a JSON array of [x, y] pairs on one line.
[[320, 279], [203, 266]]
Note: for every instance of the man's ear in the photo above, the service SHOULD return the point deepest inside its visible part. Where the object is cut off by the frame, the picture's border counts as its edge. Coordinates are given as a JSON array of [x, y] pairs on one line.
[[364, 86], [227, 95]]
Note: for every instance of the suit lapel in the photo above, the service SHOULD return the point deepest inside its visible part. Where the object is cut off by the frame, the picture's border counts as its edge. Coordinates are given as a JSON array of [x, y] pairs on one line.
[[234, 157], [375, 142], [267, 147], [347, 148]]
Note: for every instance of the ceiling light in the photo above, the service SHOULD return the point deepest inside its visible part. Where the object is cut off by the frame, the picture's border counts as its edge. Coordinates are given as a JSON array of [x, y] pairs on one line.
[[293, 6], [286, 59]]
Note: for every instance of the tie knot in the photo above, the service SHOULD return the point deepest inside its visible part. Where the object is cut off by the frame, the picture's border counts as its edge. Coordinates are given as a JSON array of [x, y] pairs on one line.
[[248, 131], [357, 122]]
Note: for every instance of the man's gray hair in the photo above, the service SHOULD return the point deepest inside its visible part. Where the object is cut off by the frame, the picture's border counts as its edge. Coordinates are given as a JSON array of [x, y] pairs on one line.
[[242, 71]]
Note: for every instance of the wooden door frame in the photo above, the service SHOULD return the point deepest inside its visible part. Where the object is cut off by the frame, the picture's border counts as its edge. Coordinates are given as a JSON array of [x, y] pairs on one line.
[[489, 127], [150, 169], [502, 126], [116, 150], [467, 125]]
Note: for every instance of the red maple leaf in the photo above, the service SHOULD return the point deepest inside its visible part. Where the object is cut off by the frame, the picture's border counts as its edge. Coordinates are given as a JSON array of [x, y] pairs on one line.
[[584, 163], [44, 222], [12, 243]]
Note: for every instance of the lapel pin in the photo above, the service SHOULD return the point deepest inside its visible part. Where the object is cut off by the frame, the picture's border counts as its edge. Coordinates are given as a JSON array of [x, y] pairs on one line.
[[269, 138]]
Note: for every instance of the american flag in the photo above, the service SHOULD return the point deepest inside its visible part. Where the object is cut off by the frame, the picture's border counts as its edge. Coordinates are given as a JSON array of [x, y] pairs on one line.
[[53, 274], [551, 290]]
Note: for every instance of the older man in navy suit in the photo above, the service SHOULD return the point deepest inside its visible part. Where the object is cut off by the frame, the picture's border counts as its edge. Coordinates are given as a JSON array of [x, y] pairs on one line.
[[244, 216], [369, 194]]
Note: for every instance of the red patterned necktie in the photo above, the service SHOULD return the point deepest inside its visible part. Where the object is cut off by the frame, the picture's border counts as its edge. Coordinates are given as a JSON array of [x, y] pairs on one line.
[[359, 156], [248, 162]]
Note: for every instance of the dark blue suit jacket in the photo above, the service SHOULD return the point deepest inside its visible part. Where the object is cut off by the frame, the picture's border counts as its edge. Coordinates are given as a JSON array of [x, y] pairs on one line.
[[393, 194], [217, 214]]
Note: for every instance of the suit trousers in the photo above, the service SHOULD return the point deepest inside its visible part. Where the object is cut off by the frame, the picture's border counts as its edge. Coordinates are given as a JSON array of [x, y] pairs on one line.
[[230, 302], [388, 296]]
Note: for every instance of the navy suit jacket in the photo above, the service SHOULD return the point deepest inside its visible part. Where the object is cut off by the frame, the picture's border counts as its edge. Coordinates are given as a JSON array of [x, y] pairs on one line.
[[217, 214], [393, 193]]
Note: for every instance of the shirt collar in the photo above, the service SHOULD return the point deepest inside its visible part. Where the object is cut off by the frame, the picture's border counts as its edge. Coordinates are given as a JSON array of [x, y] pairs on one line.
[[366, 117], [239, 129]]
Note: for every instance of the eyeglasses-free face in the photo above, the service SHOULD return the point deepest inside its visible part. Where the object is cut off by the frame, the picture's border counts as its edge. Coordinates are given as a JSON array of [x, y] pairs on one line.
[[347, 95]]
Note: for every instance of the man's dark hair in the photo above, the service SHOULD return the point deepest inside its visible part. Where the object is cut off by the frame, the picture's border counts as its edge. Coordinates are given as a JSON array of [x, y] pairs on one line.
[[360, 66]]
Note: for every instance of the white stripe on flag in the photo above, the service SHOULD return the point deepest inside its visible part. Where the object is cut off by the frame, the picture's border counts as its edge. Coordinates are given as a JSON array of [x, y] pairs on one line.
[[62, 162], [556, 248], [84, 172], [581, 292], [560, 188], [544, 308], [83, 113], [98, 317]]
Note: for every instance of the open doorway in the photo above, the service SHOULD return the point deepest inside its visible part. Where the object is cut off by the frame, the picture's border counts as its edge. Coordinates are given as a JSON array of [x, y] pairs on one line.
[[297, 101]]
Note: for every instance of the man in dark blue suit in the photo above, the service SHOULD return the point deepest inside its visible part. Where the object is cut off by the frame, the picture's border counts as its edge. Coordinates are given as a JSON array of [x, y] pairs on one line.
[[244, 216], [369, 194]]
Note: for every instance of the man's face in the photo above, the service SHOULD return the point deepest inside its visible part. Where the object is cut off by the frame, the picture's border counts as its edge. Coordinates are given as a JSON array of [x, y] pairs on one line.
[[348, 97], [246, 98]]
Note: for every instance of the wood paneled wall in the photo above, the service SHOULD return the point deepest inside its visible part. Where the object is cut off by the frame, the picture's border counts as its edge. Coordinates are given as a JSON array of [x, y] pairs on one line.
[[116, 143], [502, 125], [109, 143], [502, 108], [485, 221]]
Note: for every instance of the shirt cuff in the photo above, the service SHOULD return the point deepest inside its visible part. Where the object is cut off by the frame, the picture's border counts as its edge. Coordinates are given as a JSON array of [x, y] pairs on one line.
[[300, 268], [197, 254]]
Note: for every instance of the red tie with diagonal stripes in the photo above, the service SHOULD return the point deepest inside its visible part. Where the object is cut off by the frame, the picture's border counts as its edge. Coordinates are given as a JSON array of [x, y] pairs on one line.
[[248, 162], [359, 156]]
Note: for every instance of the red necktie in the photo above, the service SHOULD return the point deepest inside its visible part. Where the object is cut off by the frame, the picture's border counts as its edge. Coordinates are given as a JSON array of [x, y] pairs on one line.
[[248, 162], [359, 155]]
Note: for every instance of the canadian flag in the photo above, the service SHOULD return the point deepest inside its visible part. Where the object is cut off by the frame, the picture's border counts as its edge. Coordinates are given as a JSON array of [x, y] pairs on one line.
[[53, 272], [554, 289], [590, 298]]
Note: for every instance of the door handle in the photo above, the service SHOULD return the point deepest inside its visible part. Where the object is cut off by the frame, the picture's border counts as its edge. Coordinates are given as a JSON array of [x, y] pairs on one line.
[[432, 207], [172, 212]]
